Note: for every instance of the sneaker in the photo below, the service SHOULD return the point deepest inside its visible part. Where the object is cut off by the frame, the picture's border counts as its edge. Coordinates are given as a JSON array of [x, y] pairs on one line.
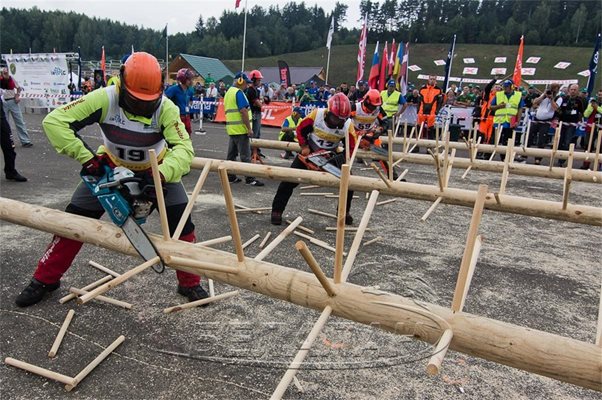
[[15, 176], [193, 293], [234, 180], [276, 218], [537, 162], [34, 292], [255, 182], [521, 159], [348, 220], [27, 144]]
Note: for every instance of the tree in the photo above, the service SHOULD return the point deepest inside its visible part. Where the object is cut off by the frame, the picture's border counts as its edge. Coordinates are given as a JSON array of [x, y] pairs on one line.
[[199, 28]]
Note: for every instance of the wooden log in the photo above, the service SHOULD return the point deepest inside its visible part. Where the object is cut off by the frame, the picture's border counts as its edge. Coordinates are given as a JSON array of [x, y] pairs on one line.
[[103, 268], [435, 362], [223, 176], [215, 241], [278, 239], [159, 193], [315, 267], [92, 285], [195, 193], [568, 177], [342, 213], [303, 351], [117, 281], [431, 209], [173, 261], [512, 204], [265, 240], [250, 241], [557, 357], [355, 245], [322, 213], [302, 228], [315, 241], [369, 242], [34, 369], [104, 299], [462, 281], [380, 174], [201, 302], [90, 367], [59, 338], [382, 203]]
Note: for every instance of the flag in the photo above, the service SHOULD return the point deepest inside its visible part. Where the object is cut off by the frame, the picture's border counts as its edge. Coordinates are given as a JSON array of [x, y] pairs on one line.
[[103, 66], [593, 66], [330, 33], [403, 70], [373, 78], [518, 67], [237, 4], [384, 63], [398, 59], [285, 73], [392, 57], [361, 53], [163, 33], [448, 64]]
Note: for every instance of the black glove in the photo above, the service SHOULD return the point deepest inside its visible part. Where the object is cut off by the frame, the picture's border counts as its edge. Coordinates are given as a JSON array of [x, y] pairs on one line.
[[147, 184], [94, 166]]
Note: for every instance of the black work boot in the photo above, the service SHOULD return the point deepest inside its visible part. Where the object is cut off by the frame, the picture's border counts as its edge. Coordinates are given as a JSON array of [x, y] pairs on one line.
[[276, 218], [348, 219], [34, 292], [15, 176], [193, 293]]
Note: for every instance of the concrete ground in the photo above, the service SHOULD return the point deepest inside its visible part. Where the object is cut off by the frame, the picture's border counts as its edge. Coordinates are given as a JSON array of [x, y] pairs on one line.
[[533, 272]]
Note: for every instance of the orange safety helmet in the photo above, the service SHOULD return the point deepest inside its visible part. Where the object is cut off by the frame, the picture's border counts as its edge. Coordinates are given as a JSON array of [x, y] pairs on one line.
[[340, 106], [255, 74], [142, 77], [373, 97]]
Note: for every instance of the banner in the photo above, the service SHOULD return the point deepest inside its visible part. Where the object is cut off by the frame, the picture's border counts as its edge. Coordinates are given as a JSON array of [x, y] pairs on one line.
[[272, 114], [285, 73], [518, 66], [593, 66], [44, 78], [448, 65]]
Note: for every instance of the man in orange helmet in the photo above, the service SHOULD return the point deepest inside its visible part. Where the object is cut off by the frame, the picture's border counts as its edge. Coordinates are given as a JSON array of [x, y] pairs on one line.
[[322, 129], [134, 117]]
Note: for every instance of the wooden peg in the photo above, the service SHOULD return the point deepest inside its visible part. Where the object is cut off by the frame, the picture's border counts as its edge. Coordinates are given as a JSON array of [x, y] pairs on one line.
[[265, 240], [223, 175], [202, 265], [212, 242], [342, 211], [380, 174], [568, 177], [431, 209], [34, 369], [103, 268], [555, 143], [322, 213], [59, 338], [92, 285], [201, 302], [159, 193], [104, 299], [315, 267], [250, 241], [435, 362], [278, 239], [195, 193]]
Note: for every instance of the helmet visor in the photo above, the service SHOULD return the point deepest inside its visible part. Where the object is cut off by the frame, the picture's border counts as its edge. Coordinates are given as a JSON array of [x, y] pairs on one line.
[[142, 108]]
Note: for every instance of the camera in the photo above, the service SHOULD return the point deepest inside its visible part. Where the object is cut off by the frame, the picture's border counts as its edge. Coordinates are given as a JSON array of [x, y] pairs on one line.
[[548, 92]]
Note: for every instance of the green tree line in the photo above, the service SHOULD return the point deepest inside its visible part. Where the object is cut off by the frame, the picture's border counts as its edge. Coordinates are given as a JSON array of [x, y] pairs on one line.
[[296, 27]]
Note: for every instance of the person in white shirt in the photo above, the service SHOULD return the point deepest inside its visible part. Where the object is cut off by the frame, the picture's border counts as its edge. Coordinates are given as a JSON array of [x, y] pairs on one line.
[[544, 115]]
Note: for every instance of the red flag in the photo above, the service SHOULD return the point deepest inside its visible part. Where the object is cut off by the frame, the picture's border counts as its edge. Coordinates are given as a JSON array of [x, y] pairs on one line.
[[237, 4], [518, 67], [383, 69], [361, 53], [103, 63], [392, 56], [374, 72]]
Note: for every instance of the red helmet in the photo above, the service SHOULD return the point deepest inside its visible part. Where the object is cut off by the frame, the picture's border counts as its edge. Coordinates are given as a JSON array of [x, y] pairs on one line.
[[373, 97], [255, 74], [184, 74], [142, 76], [339, 105]]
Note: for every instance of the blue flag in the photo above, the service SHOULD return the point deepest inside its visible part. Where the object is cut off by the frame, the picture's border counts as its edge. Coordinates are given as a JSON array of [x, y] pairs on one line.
[[448, 64], [593, 66]]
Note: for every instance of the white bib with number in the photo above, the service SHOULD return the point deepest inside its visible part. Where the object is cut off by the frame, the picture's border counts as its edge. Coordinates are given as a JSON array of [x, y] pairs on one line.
[[324, 137], [364, 121]]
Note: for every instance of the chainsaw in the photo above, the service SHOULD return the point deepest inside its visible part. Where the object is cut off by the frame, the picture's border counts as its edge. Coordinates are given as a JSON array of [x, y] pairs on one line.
[[322, 160], [120, 194]]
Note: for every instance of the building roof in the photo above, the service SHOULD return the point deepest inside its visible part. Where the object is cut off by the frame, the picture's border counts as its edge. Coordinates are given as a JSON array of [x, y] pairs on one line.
[[204, 66], [298, 74]]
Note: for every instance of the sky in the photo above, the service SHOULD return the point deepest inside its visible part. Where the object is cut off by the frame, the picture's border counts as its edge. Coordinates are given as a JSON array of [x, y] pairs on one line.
[[180, 15]]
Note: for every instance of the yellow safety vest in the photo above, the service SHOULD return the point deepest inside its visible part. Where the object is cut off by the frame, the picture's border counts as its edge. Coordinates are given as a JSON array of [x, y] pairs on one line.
[[390, 102], [291, 124], [234, 123], [504, 115]]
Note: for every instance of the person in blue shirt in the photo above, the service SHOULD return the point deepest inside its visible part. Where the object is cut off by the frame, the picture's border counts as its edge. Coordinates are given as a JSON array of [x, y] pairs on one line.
[[508, 107], [313, 89], [181, 94]]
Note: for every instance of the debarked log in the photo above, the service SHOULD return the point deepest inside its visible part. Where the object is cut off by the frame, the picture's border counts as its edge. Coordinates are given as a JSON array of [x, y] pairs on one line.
[[541, 171], [554, 356], [511, 204]]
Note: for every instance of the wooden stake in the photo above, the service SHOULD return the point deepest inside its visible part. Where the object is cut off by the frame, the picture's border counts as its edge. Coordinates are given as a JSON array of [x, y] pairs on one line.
[[302, 228], [342, 212], [202, 265], [347, 155], [103, 268], [527, 132], [400, 177], [34, 369], [248, 210], [381, 203], [211, 242], [223, 176], [357, 145], [90, 367], [498, 133], [435, 362], [599, 328], [201, 302], [590, 141], [268, 249], [355, 245], [449, 163], [250, 241], [265, 240], [438, 169], [315, 267], [555, 142], [195, 193], [322, 213], [59, 338], [347, 229], [376, 239], [211, 288], [505, 172], [380, 174], [303, 351], [315, 241], [473, 263], [568, 177], [118, 280], [431, 209], [104, 299], [159, 193], [316, 194], [309, 187], [94, 284], [597, 157], [461, 283], [390, 153]]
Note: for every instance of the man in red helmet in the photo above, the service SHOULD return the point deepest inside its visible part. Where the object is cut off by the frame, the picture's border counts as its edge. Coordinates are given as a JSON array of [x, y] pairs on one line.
[[181, 93], [134, 117], [255, 101], [322, 129]]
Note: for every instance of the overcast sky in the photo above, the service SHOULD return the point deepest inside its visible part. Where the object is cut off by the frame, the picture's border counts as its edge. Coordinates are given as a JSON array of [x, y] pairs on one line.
[[181, 15]]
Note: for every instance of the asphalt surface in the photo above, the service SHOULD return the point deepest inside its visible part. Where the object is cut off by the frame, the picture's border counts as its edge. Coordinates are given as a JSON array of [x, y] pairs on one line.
[[533, 272]]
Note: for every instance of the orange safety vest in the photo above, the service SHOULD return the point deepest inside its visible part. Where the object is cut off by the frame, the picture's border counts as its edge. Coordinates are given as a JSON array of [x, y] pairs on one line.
[[486, 123]]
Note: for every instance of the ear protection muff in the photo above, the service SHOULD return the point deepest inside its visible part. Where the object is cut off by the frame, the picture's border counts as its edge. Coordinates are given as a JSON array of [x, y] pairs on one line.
[[240, 81]]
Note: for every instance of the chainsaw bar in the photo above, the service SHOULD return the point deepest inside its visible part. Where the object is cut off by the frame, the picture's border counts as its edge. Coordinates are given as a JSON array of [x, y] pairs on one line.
[[141, 243]]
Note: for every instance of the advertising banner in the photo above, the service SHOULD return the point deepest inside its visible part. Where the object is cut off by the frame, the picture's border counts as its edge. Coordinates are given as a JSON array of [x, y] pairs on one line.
[[272, 114]]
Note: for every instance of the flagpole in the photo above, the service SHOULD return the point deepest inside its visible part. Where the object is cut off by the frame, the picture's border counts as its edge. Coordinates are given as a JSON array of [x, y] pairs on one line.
[[166, 55], [244, 38], [329, 45], [327, 65], [451, 60]]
